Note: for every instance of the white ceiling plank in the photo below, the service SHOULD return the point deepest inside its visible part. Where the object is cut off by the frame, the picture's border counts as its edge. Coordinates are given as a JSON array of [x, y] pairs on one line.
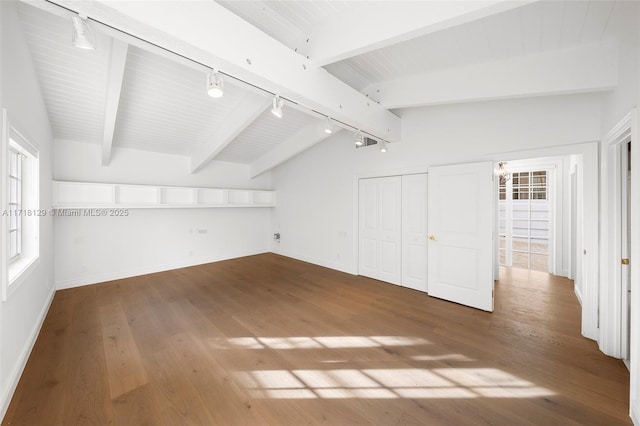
[[247, 111], [515, 43], [574, 19], [581, 69], [265, 134], [379, 24], [552, 17], [208, 33], [117, 66], [596, 20], [304, 139], [532, 29]]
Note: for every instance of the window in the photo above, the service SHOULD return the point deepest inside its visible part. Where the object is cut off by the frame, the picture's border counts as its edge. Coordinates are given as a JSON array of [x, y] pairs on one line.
[[529, 185], [15, 203], [503, 189], [20, 211]]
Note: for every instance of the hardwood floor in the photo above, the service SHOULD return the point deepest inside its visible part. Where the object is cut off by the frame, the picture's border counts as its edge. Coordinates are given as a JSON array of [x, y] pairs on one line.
[[270, 340]]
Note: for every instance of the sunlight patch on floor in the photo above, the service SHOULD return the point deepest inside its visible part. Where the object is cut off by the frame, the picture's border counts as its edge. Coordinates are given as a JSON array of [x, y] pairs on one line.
[[320, 342], [447, 357], [415, 383]]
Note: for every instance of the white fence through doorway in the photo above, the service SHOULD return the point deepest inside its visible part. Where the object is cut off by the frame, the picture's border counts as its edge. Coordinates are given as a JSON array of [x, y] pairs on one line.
[[524, 210]]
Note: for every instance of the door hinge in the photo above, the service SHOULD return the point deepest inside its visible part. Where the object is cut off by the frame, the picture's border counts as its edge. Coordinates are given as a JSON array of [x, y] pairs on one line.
[[624, 261]]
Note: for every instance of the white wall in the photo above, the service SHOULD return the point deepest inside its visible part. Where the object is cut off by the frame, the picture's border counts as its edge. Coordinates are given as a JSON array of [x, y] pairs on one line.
[[316, 190], [618, 102], [22, 314], [95, 249]]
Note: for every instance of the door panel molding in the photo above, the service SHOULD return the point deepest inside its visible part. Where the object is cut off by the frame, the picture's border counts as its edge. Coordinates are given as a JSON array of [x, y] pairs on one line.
[[414, 231], [379, 230], [461, 218]]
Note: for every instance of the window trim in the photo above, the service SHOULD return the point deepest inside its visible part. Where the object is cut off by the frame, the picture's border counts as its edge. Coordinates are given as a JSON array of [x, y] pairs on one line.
[[16, 206], [16, 270]]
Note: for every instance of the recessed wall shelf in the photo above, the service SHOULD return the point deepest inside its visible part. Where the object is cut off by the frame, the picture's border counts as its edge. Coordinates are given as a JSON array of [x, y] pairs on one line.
[[91, 195]]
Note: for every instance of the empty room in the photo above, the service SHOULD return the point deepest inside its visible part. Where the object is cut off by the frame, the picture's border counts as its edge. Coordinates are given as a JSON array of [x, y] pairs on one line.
[[265, 212]]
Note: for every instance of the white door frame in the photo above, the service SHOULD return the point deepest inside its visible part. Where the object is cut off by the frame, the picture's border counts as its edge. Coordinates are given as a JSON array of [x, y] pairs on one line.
[[587, 255], [611, 250], [611, 306]]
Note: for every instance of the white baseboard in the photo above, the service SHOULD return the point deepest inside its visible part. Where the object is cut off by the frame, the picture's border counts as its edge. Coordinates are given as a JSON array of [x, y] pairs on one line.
[[578, 294], [635, 412], [18, 368], [331, 265], [116, 275]]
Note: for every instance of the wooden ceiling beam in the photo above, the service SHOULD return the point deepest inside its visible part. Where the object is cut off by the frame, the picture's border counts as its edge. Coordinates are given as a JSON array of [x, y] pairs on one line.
[[247, 111], [587, 68], [364, 28], [117, 65], [208, 33], [304, 139]]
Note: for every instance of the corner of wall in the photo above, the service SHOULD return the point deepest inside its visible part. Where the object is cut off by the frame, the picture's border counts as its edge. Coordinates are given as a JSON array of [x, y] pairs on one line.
[[576, 290], [317, 261]]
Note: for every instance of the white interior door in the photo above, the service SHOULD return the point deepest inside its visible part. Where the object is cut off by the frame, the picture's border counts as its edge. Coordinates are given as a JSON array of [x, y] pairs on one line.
[[380, 209], [461, 228], [414, 231]]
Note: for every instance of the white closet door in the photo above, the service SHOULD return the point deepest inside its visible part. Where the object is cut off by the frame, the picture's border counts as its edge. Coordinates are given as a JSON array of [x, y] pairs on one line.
[[461, 227], [369, 213], [414, 231], [380, 231]]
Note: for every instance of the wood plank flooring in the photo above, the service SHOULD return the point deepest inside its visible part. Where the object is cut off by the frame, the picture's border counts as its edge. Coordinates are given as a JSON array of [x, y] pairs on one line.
[[270, 340]]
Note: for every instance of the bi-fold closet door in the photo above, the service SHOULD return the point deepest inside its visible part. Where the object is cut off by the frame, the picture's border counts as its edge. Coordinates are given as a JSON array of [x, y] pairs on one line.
[[459, 208], [393, 230], [380, 228]]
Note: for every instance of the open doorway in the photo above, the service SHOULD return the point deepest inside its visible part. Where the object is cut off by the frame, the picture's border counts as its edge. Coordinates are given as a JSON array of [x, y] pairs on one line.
[[575, 252], [533, 211], [525, 209]]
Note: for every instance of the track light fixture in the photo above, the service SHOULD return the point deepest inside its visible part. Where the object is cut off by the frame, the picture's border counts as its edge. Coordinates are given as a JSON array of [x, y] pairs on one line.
[[278, 103], [215, 84], [383, 146], [329, 127], [83, 36]]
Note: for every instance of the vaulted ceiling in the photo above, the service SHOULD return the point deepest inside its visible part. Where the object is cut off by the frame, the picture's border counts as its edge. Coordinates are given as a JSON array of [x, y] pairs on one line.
[[360, 63]]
